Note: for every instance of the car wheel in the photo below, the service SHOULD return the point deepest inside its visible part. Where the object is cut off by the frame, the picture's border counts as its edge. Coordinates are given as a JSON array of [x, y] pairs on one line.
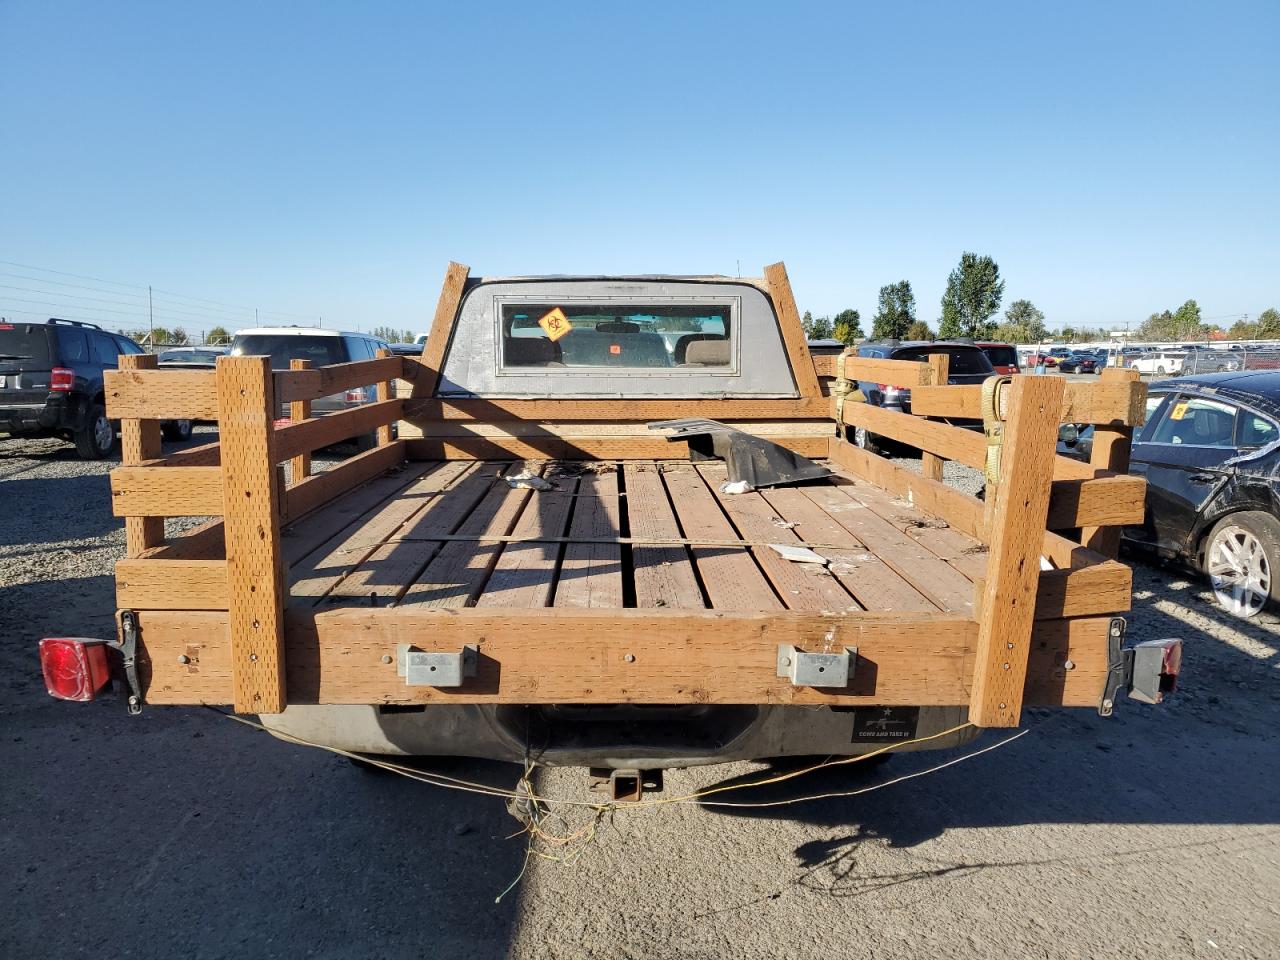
[[1160, 371], [177, 430], [1241, 559], [864, 440], [96, 438]]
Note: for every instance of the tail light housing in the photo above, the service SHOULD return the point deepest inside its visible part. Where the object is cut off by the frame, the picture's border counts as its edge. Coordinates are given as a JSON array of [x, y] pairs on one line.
[[61, 379], [358, 395], [75, 668]]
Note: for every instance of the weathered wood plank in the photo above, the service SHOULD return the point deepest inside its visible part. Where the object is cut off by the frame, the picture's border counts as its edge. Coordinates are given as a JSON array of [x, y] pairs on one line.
[[1017, 536], [320, 488], [793, 335], [303, 436], [172, 585], [939, 367], [664, 576], [161, 394], [552, 446], [591, 573], [255, 581], [499, 409], [524, 575], [166, 491], [1109, 401], [1111, 446], [299, 410], [386, 391], [427, 373], [140, 441]]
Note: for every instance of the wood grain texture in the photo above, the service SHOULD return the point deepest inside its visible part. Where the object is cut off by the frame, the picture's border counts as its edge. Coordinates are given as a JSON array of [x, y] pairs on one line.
[[172, 585], [205, 455], [166, 491], [386, 391], [161, 394], [664, 576], [140, 441], [304, 436], [896, 373], [498, 409], [319, 488], [552, 446], [433, 351], [1109, 401], [299, 410], [1021, 505], [335, 378], [679, 657], [1111, 447], [524, 574], [255, 581], [939, 370], [793, 336], [591, 573]]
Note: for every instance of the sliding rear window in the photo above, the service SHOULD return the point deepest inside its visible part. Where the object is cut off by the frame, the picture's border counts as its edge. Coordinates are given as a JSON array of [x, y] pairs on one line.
[[600, 336]]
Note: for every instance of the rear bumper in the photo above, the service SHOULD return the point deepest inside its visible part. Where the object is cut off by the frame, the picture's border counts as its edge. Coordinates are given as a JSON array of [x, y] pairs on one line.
[[51, 414], [618, 737]]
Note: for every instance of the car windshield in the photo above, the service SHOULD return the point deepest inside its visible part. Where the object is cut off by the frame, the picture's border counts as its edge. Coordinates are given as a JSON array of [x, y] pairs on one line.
[[963, 361], [616, 335], [284, 347], [23, 341]]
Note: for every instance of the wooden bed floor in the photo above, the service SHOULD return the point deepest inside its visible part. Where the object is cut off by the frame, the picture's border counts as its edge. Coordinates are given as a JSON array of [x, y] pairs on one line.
[[416, 538]]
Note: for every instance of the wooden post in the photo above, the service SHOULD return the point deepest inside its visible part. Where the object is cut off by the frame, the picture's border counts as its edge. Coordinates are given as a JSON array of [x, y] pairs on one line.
[[299, 410], [793, 335], [139, 441], [455, 284], [939, 371], [1017, 530], [251, 514], [1111, 446], [386, 391]]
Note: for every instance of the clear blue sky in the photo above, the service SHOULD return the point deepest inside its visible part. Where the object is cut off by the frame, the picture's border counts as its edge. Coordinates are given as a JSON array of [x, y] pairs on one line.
[[329, 159]]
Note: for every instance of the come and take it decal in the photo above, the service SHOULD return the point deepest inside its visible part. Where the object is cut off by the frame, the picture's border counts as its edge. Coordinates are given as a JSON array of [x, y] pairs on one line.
[[555, 324]]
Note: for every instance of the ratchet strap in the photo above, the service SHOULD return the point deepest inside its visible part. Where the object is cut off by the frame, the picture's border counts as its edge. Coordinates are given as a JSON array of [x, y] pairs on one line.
[[993, 427], [841, 389]]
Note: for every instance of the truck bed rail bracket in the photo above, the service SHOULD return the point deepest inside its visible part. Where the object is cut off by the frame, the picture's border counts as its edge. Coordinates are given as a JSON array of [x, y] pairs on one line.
[[816, 669], [436, 669]]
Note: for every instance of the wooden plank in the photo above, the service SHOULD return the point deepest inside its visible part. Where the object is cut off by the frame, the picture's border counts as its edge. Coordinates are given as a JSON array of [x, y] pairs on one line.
[[304, 436], [953, 443], [255, 582], [497, 409], [1110, 451], [320, 488], [591, 573], [335, 378], [299, 410], [203, 542], [205, 455], [161, 394], [451, 291], [1109, 401], [140, 441], [166, 491], [896, 373], [312, 578], [390, 567], [874, 584], [555, 447], [386, 392], [524, 575], [802, 586], [678, 657], [172, 585], [793, 335], [939, 367], [931, 576], [1105, 588], [1017, 534], [664, 576], [458, 572], [729, 574]]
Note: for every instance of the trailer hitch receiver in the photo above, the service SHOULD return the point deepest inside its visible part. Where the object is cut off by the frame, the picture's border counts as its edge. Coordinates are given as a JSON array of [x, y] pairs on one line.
[[1147, 671]]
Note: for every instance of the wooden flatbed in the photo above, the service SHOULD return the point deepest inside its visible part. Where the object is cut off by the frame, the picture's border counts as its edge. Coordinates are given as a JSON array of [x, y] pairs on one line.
[[634, 578]]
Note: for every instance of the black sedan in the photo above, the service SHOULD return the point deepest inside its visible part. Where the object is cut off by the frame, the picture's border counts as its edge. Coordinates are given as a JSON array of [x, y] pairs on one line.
[[1210, 451], [1079, 363]]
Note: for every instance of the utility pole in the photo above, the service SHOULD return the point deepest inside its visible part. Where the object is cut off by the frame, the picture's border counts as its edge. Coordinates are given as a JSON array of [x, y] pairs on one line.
[[151, 319], [255, 316]]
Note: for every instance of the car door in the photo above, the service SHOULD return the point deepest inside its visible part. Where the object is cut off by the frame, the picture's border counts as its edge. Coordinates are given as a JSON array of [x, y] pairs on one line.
[[1182, 455]]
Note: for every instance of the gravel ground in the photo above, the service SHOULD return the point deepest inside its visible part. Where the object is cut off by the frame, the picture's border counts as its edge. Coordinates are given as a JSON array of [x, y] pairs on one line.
[[180, 833]]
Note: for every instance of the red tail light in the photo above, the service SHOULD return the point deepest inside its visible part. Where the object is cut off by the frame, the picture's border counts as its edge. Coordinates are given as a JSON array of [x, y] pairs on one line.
[[75, 668], [61, 379], [355, 396]]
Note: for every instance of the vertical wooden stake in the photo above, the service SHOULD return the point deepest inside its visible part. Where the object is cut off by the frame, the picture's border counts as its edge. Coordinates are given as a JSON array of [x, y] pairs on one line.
[[386, 391], [793, 335], [1013, 562], [139, 441], [251, 517], [939, 371], [451, 291], [1111, 446], [299, 410]]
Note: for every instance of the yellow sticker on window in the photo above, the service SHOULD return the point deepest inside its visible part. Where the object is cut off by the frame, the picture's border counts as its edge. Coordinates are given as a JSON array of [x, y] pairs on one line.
[[1179, 410], [556, 324]]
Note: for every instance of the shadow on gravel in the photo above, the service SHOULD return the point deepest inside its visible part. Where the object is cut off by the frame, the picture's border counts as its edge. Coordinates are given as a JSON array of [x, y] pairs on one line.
[[1209, 756]]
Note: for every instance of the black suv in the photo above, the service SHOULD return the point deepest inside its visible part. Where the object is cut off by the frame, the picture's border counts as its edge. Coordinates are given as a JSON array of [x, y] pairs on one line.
[[968, 363], [51, 384]]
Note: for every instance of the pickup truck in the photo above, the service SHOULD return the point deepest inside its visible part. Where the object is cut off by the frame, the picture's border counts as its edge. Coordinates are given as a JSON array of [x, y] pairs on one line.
[[620, 526]]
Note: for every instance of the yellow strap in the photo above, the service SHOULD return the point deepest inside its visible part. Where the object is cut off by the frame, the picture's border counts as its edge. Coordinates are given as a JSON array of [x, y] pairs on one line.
[[993, 427]]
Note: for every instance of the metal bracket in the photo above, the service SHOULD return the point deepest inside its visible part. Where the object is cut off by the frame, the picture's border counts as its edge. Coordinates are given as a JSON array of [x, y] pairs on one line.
[[816, 669], [436, 669], [127, 647], [1146, 672]]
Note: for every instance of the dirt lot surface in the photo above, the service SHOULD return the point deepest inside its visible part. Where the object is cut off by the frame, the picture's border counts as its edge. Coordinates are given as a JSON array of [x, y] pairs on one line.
[[179, 833]]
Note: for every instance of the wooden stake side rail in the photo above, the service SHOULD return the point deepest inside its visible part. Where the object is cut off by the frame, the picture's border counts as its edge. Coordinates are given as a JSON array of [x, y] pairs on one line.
[[1108, 401], [678, 656]]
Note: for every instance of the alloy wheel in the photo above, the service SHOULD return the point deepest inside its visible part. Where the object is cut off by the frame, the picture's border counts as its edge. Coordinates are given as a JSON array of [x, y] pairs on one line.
[[1239, 571]]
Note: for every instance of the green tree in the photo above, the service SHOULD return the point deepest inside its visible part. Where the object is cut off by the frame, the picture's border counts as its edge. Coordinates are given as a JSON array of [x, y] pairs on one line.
[[1269, 324], [179, 337], [819, 329], [159, 335], [1242, 329], [919, 330], [1184, 324], [217, 335], [847, 327], [896, 313], [973, 295], [1027, 318]]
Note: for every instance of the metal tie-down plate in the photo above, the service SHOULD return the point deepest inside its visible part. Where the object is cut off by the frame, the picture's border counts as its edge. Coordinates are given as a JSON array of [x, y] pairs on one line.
[[421, 668], [816, 669]]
